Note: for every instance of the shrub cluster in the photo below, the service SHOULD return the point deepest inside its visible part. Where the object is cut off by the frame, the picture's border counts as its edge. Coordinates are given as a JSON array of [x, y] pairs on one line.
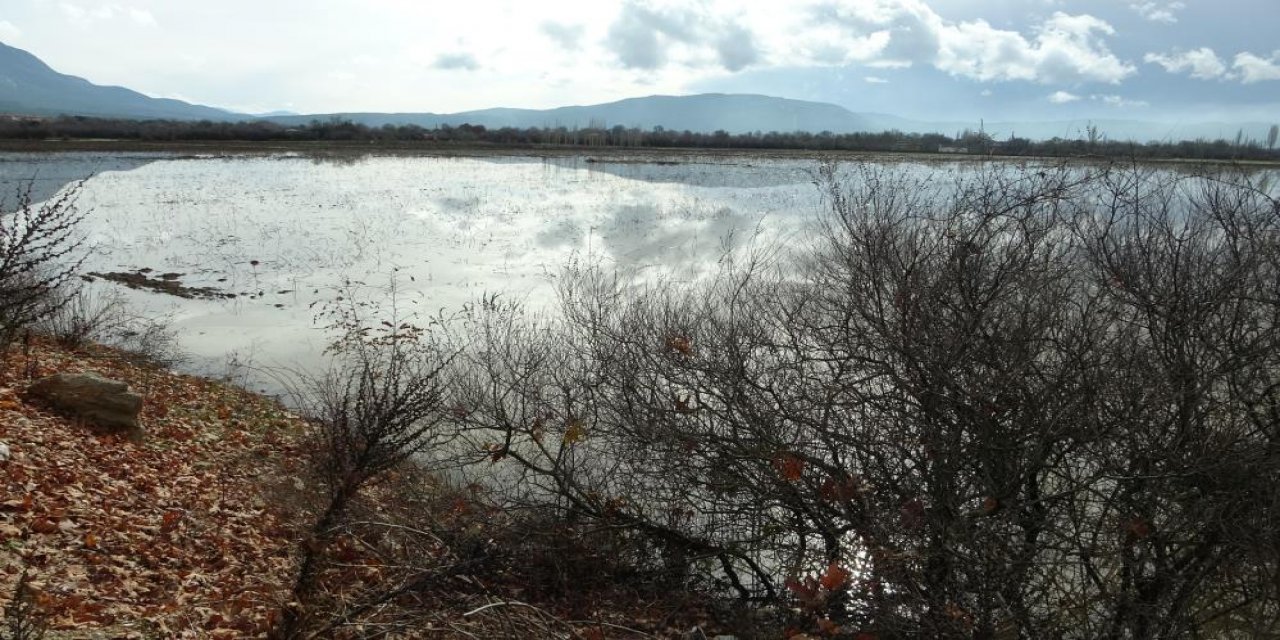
[[1039, 402]]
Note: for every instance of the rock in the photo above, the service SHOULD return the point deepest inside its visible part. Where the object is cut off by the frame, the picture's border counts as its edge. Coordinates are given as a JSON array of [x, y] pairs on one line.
[[4, 452], [107, 403]]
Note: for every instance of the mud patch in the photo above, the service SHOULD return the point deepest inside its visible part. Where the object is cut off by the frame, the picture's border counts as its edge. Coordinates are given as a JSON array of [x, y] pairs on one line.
[[168, 283]]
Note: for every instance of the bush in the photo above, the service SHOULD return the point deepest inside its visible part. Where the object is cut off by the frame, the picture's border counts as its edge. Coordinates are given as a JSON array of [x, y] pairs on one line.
[[1031, 403], [22, 618], [380, 405], [40, 252], [151, 341], [87, 315]]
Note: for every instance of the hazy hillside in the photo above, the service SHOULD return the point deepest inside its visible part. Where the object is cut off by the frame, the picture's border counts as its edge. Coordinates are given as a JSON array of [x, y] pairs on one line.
[[29, 86], [704, 112]]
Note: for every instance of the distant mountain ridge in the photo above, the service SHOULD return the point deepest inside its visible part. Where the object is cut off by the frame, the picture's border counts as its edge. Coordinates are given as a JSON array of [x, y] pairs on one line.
[[29, 86], [734, 113]]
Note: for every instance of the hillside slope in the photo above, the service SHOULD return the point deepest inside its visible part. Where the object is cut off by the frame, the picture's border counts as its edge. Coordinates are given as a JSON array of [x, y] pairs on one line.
[[29, 86]]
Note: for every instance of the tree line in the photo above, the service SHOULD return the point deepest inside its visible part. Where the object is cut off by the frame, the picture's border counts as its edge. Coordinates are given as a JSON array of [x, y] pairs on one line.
[[1090, 142]]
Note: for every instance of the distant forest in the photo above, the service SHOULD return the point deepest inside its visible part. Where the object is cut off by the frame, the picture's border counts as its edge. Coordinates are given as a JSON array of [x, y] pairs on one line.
[[1090, 142]]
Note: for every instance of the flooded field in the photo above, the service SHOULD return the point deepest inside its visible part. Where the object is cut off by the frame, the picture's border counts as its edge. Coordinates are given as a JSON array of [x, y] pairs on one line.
[[263, 241], [270, 238]]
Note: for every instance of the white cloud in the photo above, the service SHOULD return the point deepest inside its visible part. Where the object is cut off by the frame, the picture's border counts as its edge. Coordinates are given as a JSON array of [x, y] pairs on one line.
[[1200, 63], [1250, 68], [569, 37], [142, 17], [9, 31], [1166, 12], [1203, 63], [1064, 48], [1120, 101], [648, 36], [74, 12], [875, 80], [1062, 97], [84, 16]]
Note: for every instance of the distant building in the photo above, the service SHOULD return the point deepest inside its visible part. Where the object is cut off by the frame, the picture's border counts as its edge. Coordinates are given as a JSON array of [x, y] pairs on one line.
[[946, 149]]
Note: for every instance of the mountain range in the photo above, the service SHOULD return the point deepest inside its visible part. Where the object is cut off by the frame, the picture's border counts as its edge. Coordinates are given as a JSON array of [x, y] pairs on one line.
[[28, 86]]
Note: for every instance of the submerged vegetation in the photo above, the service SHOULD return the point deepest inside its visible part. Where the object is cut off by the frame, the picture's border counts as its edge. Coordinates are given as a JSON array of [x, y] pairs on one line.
[[1090, 141]]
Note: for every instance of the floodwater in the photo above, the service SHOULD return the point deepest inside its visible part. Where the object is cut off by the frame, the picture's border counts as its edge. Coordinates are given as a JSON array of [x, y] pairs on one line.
[[287, 234]]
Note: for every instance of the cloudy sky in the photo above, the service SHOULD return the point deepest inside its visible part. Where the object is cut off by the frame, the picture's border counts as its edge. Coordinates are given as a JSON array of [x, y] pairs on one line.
[[927, 59]]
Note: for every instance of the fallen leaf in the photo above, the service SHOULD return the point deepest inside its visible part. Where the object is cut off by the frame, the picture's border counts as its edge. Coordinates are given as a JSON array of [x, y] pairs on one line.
[[43, 526]]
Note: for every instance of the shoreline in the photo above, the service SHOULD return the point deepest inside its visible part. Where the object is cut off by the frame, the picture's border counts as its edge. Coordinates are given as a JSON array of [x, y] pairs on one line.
[[634, 154]]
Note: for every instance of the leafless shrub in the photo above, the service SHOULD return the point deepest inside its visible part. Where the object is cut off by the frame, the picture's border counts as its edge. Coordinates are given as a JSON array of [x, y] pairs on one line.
[[380, 405], [87, 315], [41, 250], [151, 341], [22, 619], [1028, 403]]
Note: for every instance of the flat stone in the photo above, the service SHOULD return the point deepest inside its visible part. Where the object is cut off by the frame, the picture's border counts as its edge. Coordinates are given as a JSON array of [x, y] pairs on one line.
[[102, 401]]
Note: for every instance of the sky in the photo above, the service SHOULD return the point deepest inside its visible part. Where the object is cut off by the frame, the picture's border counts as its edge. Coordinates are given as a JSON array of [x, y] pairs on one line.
[[923, 59]]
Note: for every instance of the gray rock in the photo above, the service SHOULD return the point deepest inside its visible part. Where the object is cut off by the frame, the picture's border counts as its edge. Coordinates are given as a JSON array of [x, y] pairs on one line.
[[107, 403]]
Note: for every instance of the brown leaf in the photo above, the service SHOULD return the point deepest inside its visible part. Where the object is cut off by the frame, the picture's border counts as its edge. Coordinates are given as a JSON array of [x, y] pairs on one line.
[[789, 466], [805, 591], [575, 432], [23, 504], [835, 577], [1137, 529], [990, 505], [680, 344], [170, 521], [912, 514], [827, 627], [840, 489], [44, 526]]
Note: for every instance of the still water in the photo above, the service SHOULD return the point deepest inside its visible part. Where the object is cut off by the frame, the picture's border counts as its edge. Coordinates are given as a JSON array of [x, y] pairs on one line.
[[285, 234]]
